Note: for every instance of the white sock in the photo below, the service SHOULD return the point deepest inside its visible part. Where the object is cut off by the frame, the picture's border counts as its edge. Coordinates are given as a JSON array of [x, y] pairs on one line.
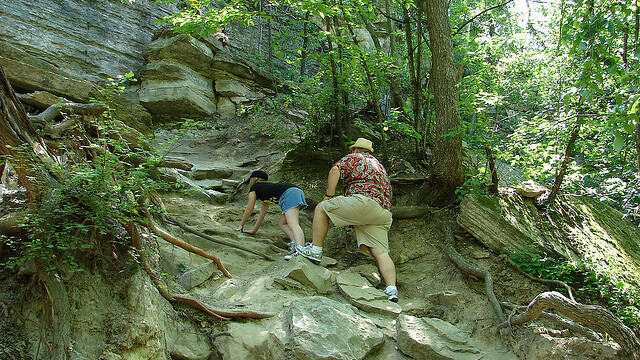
[[390, 287], [316, 249]]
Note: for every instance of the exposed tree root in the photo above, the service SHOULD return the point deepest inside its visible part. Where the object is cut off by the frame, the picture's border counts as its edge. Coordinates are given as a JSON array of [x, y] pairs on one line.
[[543, 281], [567, 324], [189, 300], [24, 320], [592, 316], [134, 233], [185, 227], [60, 314], [172, 239], [470, 269]]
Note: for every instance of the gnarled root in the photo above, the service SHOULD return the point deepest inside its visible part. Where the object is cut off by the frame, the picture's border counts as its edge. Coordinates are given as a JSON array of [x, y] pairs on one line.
[[540, 280], [184, 227], [133, 231], [559, 320], [468, 268], [592, 316], [172, 239]]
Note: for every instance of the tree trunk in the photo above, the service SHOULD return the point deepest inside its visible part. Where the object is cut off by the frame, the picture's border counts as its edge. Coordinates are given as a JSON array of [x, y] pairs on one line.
[[493, 188], [565, 162], [396, 99], [17, 132], [638, 142], [305, 44], [446, 156], [337, 102], [373, 88], [417, 101], [412, 70]]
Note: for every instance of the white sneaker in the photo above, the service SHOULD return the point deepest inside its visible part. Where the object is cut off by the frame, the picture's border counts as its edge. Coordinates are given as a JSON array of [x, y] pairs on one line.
[[392, 293], [307, 252]]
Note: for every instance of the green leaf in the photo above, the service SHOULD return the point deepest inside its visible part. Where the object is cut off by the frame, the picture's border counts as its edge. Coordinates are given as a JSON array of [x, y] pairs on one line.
[[635, 106], [618, 142]]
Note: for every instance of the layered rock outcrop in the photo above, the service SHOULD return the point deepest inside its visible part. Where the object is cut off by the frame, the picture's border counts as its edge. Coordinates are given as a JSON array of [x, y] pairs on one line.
[[72, 48]]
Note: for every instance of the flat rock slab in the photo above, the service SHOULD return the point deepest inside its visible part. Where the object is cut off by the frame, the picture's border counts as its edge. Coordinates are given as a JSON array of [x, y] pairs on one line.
[[434, 339], [360, 293]]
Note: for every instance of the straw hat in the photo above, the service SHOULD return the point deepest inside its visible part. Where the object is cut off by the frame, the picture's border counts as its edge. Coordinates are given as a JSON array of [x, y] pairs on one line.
[[363, 144]]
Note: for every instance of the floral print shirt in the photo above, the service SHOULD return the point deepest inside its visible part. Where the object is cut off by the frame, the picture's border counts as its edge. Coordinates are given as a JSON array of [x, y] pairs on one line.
[[363, 174]]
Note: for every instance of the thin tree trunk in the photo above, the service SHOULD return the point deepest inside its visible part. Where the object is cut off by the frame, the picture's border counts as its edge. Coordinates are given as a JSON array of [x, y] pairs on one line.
[[565, 162], [396, 99], [417, 101], [305, 44], [374, 95], [638, 142], [337, 107], [492, 169], [412, 70], [346, 122], [269, 40]]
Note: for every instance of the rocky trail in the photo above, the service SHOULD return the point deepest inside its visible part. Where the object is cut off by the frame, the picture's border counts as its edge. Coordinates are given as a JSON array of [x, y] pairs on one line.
[[336, 310]]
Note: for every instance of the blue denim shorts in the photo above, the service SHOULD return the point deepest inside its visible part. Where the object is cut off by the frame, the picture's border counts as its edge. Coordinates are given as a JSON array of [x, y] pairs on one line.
[[291, 198]]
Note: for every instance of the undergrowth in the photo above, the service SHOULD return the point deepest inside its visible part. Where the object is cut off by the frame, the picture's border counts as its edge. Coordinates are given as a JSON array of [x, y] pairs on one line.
[[589, 286]]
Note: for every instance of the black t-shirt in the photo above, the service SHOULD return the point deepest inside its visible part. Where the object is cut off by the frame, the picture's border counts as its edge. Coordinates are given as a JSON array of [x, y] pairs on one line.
[[270, 191]]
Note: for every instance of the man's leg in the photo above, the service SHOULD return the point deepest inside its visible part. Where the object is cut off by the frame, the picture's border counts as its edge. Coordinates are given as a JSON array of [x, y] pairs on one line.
[[320, 228], [320, 225], [386, 266]]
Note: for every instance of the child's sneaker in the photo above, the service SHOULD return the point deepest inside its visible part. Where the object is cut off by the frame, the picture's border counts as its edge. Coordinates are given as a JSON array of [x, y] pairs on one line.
[[392, 293], [307, 252], [292, 248]]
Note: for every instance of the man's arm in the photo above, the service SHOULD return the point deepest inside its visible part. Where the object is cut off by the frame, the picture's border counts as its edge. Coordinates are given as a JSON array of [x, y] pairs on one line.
[[332, 182]]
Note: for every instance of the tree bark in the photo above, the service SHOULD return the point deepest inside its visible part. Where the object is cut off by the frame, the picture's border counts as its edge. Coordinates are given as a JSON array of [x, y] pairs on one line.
[[447, 150], [16, 131], [305, 44], [493, 188]]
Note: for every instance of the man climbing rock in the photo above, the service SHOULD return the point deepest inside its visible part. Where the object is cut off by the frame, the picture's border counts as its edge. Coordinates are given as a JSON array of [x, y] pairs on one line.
[[366, 205]]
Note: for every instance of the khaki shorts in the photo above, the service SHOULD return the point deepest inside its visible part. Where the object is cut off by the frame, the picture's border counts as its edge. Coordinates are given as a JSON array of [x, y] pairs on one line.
[[372, 221]]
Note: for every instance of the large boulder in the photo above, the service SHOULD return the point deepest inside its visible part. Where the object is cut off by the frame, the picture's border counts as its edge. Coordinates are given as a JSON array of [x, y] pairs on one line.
[[576, 228], [504, 224]]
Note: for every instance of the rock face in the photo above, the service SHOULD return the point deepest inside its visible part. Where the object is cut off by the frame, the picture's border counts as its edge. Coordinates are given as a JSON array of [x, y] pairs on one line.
[[66, 47], [485, 219], [344, 334], [594, 232], [185, 76], [70, 49]]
